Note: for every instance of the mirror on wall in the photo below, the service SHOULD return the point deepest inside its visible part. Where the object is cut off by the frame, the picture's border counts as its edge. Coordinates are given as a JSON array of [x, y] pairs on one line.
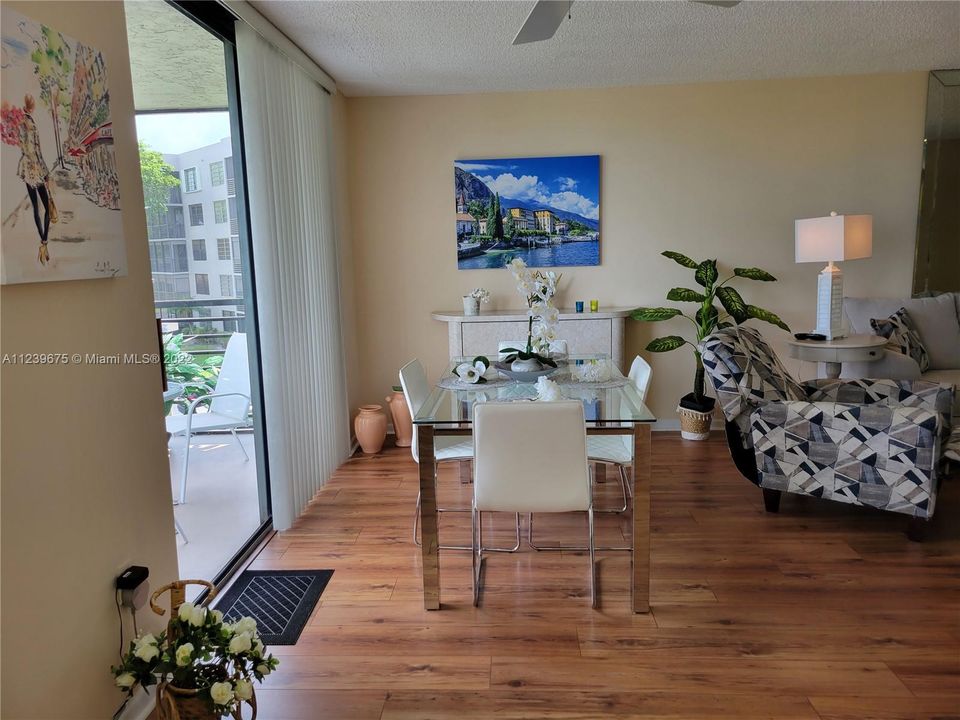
[[936, 266]]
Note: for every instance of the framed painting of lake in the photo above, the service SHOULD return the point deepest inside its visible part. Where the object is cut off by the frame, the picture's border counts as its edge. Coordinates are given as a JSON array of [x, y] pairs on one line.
[[545, 210]]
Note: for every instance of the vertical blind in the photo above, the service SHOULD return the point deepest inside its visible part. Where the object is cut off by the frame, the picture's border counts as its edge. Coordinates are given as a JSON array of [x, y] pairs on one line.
[[286, 130]]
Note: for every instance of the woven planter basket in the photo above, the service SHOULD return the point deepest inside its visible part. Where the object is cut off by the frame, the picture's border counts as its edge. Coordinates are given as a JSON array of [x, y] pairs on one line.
[[174, 703], [694, 425]]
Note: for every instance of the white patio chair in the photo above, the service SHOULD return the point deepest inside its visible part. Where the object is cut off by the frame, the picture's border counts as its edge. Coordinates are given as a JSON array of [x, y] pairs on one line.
[[532, 458], [229, 404], [416, 390]]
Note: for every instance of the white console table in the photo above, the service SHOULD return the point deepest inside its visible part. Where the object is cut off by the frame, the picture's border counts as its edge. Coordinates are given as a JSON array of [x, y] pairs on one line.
[[585, 333]]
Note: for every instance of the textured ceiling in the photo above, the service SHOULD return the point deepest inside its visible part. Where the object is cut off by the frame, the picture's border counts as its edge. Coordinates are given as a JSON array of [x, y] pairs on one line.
[[412, 47], [176, 64]]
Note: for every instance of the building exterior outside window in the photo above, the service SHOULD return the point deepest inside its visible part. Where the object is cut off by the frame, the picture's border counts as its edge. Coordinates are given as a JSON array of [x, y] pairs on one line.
[[191, 180], [182, 243], [202, 281], [216, 174], [219, 211]]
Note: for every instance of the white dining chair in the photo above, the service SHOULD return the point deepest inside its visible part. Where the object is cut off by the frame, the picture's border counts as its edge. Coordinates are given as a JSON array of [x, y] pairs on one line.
[[416, 390], [229, 407], [617, 450], [529, 457]]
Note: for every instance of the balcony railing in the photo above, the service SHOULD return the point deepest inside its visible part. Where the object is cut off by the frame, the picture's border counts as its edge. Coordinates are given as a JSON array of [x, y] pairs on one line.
[[208, 334]]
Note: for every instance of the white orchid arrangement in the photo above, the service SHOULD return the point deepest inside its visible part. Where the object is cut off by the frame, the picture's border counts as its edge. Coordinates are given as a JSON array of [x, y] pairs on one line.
[[480, 295], [199, 651], [473, 372], [538, 289]]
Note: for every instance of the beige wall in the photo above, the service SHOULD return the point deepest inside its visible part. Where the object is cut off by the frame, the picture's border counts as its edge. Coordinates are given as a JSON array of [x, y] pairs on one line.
[[85, 483], [715, 170]]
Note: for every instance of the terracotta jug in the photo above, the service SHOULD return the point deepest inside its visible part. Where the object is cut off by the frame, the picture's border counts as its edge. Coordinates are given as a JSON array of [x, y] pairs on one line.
[[371, 428], [402, 422]]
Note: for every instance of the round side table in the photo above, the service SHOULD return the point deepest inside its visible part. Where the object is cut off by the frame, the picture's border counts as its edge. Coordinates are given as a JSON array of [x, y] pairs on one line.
[[833, 353]]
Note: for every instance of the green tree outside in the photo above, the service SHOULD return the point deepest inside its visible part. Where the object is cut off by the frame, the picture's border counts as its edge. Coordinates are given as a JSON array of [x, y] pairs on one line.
[[157, 178]]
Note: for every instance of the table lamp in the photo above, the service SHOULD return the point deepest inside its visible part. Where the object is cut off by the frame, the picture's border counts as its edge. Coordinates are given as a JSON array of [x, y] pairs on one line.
[[832, 239]]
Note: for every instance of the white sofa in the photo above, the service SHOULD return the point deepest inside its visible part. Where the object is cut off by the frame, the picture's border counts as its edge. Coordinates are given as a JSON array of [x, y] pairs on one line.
[[937, 320]]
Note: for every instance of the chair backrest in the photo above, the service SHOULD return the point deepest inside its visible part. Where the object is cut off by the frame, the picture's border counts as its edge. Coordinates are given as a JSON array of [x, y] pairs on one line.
[[234, 377], [640, 375], [530, 457], [745, 371], [416, 390]]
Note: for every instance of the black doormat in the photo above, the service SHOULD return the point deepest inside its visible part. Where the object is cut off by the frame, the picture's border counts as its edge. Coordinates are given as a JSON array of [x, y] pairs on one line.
[[279, 600]]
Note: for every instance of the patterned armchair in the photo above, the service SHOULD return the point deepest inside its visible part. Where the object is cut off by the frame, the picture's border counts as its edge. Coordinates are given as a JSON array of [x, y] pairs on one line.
[[866, 442]]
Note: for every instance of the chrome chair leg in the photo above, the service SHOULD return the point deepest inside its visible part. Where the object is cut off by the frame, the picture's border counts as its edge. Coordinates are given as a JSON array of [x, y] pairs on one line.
[[593, 559], [577, 548], [624, 488], [476, 553], [416, 528]]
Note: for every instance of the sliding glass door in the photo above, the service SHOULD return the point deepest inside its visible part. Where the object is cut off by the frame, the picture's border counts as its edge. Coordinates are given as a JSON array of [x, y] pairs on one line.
[[191, 153]]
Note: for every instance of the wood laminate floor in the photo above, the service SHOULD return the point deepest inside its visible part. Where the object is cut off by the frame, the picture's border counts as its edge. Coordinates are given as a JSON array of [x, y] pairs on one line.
[[823, 612]]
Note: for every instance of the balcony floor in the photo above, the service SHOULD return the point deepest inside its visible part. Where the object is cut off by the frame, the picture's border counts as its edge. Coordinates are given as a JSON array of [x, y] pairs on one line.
[[222, 509]]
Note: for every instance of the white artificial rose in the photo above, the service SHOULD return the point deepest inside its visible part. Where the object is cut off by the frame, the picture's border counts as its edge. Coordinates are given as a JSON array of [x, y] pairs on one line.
[[257, 647], [548, 390], [184, 611], [217, 616], [125, 680], [197, 616], [221, 693], [183, 654], [245, 624], [146, 648], [240, 643], [263, 669], [244, 689]]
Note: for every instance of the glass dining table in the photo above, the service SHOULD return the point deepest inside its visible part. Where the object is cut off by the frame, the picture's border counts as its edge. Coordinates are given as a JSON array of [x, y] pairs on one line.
[[611, 407]]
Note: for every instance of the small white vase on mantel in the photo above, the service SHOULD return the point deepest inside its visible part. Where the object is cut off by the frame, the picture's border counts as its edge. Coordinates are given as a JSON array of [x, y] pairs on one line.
[[471, 305]]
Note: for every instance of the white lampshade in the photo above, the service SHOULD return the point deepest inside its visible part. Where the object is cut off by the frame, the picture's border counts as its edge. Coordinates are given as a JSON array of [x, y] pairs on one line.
[[833, 238]]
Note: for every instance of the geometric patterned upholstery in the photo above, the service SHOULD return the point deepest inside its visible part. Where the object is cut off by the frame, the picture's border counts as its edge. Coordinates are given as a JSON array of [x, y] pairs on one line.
[[902, 337], [866, 441], [745, 371]]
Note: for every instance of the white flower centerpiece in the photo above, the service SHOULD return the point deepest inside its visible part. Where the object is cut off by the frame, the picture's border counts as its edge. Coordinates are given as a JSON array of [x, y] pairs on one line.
[[215, 661], [538, 289], [476, 372], [473, 300]]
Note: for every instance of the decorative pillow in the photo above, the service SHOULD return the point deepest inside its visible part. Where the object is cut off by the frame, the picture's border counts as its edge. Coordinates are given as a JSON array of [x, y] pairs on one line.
[[902, 337]]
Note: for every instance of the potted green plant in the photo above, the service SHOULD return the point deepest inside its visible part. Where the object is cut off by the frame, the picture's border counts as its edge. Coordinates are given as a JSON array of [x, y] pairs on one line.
[[696, 408]]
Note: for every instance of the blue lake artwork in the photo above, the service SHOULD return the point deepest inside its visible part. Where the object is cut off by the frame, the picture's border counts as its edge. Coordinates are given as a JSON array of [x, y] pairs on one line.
[[544, 210]]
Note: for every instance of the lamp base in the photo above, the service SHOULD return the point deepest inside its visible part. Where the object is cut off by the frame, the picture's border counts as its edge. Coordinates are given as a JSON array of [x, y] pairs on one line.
[[830, 302]]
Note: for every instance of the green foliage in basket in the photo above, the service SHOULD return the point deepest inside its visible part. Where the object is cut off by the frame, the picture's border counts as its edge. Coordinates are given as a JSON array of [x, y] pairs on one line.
[[708, 317]]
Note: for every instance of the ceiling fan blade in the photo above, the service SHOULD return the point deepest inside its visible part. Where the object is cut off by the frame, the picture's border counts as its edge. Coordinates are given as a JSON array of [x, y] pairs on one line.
[[543, 21], [719, 3]]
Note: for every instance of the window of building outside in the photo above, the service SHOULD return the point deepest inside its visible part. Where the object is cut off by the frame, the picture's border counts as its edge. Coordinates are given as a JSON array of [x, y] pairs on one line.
[[202, 281], [216, 173], [226, 285], [238, 285], [200, 249], [191, 180], [196, 214], [223, 248], [219, 211]]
